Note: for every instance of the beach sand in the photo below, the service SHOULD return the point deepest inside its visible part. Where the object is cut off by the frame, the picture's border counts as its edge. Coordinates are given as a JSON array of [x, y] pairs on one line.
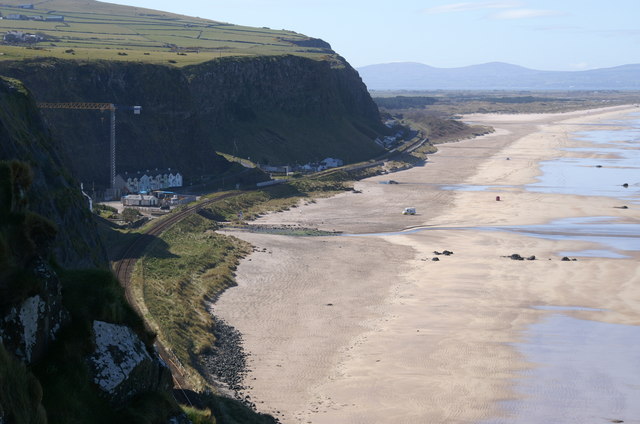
[[368, 329]]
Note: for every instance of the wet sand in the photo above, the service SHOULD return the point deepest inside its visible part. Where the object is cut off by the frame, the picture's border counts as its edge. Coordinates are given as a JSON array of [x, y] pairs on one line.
[[368, 329]]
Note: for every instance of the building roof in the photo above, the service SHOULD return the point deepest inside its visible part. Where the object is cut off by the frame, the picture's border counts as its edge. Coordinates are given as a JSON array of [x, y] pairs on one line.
[[139, 197], [150, 172]]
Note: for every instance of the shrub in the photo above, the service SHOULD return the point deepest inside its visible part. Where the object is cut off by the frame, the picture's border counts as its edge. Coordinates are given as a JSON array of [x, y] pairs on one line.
[[130, 215], [20, 392]]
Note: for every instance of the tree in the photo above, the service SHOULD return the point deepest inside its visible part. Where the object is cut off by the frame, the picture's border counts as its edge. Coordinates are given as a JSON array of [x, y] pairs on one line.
[[130, 215]]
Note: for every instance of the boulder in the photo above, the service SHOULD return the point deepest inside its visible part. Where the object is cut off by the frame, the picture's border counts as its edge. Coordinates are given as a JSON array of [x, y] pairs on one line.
[[27, 327], [122, 366]]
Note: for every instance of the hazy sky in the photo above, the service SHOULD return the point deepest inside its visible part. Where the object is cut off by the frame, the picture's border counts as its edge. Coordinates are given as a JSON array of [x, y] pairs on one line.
[[538, 34]]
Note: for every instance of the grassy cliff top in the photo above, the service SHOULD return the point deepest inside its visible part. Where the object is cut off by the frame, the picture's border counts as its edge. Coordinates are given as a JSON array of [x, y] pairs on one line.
[[95, 30]]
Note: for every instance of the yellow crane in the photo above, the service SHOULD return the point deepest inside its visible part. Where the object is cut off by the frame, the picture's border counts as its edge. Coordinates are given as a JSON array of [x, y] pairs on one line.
[[102, 107]]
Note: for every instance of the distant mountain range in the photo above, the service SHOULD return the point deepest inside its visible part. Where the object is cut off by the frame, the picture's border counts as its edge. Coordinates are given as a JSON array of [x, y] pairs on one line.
[[496, 76]]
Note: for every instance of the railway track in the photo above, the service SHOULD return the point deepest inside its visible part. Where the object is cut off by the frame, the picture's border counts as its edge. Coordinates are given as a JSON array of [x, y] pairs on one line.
[[123, 269]]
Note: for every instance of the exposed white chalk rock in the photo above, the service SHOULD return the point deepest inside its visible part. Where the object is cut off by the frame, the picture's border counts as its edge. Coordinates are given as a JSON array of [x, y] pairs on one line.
[[118, 352]]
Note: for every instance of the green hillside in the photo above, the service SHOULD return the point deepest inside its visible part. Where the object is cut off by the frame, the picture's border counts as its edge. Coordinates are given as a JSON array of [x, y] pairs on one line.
[[96, 30]]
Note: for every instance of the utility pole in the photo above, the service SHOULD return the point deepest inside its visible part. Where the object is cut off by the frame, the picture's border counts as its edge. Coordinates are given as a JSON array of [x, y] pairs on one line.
[[112, 133], [112, 144]]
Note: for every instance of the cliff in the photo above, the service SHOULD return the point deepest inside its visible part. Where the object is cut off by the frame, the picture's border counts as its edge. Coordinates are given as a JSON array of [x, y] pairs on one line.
[[276, 109], [285, 109], [71, 348], [54, 193]]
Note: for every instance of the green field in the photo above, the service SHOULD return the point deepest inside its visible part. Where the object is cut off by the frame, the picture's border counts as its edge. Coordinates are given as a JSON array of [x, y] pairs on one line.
[[95, 30]]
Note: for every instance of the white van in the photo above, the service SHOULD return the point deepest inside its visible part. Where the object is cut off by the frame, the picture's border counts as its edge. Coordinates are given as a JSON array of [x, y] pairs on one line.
[[409, 211]]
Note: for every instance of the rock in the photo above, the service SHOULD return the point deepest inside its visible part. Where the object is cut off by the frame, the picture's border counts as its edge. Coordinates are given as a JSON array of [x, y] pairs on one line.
[[178, 419], [227, 363], [122, 367], [531, 258], [625, 185], [447, 252], [516, 257], [27, 328], [435, 259]]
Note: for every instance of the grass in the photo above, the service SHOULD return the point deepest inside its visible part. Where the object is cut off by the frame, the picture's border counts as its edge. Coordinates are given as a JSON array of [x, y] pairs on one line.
[[20, 392], [96, 30], [190, 264], [451, 103], [274, 199], [440, 130], [69, 393], [91, 295], [179, 273], [199, 416]]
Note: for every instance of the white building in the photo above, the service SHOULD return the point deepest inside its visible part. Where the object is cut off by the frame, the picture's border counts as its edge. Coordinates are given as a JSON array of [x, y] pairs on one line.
[[149, 180], [332, 163], [139, 200]]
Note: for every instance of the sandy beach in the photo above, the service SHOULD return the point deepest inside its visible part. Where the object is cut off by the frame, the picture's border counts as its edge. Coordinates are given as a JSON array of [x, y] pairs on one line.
[[367, 328]]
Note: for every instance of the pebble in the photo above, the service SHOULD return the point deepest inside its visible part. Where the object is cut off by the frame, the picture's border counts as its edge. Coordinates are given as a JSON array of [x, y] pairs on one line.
[[227, 361]]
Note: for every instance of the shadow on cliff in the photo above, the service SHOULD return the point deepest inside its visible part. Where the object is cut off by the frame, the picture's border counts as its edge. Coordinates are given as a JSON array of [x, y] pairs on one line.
[[120, 245]]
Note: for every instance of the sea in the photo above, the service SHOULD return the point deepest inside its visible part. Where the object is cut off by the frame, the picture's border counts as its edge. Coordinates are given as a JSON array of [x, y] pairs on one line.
[[586, 371]]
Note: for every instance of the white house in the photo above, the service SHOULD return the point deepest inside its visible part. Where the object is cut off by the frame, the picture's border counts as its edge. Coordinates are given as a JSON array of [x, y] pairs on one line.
[[149, 180], [139, 200], [386, 142], [331, 162], [17, 17]]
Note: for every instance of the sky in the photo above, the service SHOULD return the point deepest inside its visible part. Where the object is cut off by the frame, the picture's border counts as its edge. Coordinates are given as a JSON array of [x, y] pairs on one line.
[[558, 35]]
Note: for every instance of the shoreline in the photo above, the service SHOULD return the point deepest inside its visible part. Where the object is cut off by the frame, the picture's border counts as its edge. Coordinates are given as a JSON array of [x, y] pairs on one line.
[[340, 303]]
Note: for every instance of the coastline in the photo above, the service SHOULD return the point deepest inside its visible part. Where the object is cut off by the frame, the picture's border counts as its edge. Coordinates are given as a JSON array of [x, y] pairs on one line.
[[370, 329]]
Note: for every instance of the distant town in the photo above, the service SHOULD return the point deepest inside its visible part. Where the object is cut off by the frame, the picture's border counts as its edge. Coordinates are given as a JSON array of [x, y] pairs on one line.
[[21, 37], [30, 6]]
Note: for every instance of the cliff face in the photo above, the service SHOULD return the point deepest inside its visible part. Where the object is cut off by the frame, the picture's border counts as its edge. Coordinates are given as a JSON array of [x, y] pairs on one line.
[[273, 109], [53, 193], [164, 135], [89, 356], [27, 327], [285, 109]]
